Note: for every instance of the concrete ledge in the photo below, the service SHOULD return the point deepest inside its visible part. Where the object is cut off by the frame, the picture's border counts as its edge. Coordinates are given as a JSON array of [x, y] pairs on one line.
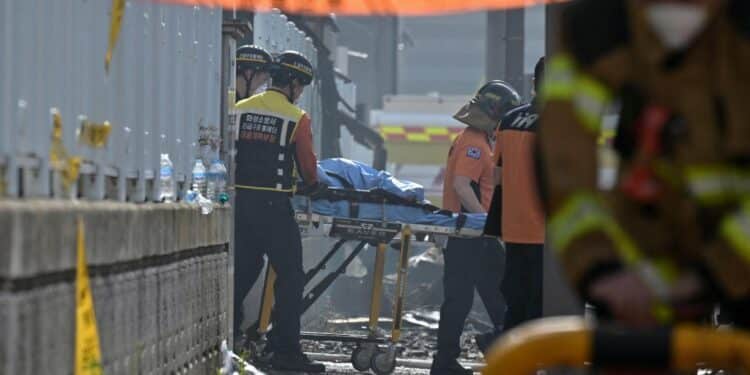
[[39, 236]]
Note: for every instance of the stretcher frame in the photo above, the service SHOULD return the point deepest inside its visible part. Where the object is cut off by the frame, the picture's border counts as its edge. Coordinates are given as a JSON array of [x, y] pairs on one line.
[[373, 351]]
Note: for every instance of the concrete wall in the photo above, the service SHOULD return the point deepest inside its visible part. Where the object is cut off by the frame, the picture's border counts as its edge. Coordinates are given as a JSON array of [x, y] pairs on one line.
[[159, 279]]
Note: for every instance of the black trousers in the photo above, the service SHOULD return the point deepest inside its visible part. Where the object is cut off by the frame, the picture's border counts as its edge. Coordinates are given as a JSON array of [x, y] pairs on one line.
[[469, 264], [265, 224], [522, 285]]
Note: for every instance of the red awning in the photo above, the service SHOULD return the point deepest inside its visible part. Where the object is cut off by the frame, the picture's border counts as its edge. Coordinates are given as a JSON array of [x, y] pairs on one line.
[[368, 7]]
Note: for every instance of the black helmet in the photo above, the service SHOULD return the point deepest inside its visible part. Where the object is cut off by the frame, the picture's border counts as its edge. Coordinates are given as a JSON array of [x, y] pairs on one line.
[[489, 105], [294, 65], [496, 98], [253, 57]]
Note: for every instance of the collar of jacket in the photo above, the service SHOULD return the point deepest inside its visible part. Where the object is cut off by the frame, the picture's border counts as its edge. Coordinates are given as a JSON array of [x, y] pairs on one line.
[[275, 91], [646, 44]]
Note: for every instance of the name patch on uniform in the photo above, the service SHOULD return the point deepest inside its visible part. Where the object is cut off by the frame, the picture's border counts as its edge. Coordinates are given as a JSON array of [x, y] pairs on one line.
[[474, 153], [257, 127]]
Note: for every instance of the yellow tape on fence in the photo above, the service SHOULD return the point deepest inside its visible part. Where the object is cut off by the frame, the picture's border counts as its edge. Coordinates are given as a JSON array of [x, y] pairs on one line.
[[88, 356], [115, 24]]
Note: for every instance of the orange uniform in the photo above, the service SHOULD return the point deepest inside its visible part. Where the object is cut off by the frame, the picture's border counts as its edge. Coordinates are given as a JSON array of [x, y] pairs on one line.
[[523, 217], [471, 156]]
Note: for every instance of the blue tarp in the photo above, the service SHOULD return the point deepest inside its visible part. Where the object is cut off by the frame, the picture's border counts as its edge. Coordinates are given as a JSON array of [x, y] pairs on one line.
[[345, 173]]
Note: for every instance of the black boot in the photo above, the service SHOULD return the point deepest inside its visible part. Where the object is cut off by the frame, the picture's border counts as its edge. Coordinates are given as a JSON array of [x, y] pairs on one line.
[[296, 362], [451, 367]]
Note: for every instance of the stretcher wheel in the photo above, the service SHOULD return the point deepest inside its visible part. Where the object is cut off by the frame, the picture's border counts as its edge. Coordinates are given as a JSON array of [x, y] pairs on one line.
[[383, 362], [362, 357]]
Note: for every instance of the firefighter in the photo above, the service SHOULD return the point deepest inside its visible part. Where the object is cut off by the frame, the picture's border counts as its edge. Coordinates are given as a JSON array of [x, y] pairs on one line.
[[275, 138], [675, 230], [253, 64], [476, 263]]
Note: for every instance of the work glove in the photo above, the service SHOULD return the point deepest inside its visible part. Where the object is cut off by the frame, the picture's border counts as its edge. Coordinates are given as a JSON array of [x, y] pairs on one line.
[[315, 191]]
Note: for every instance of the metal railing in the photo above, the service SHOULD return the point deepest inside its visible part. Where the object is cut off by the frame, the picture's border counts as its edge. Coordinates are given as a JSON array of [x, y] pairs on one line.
[[163, 85]]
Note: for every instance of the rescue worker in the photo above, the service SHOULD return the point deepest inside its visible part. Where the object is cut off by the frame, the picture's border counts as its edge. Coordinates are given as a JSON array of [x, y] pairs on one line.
[[675, 230], [253, 64], [275, 138], [253, 67], [522, 215], [471, 263]]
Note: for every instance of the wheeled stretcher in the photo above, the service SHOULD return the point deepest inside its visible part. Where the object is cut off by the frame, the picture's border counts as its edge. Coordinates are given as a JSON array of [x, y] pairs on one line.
[[373, 351]]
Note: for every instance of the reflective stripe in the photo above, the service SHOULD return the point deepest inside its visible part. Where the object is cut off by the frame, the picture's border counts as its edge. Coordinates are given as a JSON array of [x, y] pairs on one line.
[[736, 230], [559, 79], [590, 98], [718, 184], [583, 214], [284, 128]]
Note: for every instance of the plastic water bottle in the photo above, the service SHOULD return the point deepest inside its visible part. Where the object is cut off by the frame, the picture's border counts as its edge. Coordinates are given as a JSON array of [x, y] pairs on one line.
[[217, 182], [166, 179], [199, 177]]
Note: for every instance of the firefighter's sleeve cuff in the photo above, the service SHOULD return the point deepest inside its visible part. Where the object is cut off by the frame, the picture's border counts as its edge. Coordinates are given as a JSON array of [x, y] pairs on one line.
[[589, 241], [583, 214], [594, 273]]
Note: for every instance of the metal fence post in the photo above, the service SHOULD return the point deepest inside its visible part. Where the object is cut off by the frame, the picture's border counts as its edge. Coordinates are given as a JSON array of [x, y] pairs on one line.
[[149, 159], [7, 48], [177, 120]]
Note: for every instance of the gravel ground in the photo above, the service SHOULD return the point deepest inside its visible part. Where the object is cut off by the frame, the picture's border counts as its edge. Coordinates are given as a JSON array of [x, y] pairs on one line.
[[343, 307], [345, 368], [414, 344], [415, 350]]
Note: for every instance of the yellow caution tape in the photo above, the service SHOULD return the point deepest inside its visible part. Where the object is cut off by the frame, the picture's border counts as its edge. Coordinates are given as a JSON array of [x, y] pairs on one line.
[[418, 134], [58, 155], [88, 356], [115, 24], [93, 134]]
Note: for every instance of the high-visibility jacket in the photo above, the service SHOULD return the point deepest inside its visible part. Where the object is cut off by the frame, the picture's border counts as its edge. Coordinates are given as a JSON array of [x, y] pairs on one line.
[[274, 136], [701, 220]]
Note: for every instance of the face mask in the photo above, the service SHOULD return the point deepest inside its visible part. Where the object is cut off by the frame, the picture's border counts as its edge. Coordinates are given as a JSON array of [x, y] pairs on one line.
[[676, 25]]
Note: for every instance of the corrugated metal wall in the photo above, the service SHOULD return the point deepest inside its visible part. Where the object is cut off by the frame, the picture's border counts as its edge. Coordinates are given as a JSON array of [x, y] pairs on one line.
[[163, 85], [163, 82]]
